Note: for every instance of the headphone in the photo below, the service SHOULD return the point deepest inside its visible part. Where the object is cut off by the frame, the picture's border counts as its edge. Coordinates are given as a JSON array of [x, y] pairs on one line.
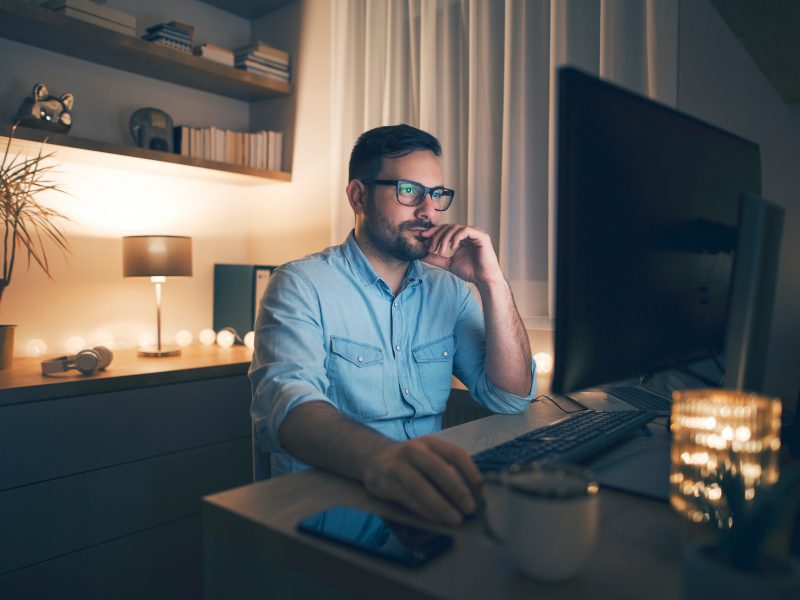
[[86, 361]]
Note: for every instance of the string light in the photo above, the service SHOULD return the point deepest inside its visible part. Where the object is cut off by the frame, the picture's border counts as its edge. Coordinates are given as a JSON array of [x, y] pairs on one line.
[[250, 339], [207, 337], [36, 347], [225, 338], [146, 340], [544, 363], [184, 338], [74, 344]]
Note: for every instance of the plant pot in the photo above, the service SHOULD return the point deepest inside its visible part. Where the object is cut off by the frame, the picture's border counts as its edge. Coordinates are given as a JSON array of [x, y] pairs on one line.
[[706, 575], [6, 345]]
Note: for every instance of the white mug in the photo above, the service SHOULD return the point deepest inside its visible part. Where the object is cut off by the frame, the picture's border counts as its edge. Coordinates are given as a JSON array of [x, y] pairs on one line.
[[545, 516]]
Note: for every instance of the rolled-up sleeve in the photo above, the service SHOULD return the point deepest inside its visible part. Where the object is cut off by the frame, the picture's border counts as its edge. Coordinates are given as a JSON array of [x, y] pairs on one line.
[[288, 366], [469, 363]]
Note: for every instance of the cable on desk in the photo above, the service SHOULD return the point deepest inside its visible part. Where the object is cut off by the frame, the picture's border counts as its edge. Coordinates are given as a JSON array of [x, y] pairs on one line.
[[561, 408]]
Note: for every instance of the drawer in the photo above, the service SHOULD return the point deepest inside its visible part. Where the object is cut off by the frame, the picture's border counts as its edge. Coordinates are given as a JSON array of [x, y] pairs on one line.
[[56, 438]]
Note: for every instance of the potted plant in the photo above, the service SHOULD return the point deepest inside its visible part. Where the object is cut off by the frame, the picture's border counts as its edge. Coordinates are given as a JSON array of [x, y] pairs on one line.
[[733, 562], [28, 225]]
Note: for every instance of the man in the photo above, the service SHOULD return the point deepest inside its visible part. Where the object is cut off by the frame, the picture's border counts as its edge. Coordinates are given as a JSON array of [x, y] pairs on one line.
[[356, 344]]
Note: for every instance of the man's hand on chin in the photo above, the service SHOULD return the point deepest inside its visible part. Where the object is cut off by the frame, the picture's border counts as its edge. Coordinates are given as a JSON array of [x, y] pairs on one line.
[[464, 251]]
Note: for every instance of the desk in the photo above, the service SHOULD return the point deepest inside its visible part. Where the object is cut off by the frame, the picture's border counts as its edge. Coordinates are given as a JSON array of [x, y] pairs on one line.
[[251, 548]]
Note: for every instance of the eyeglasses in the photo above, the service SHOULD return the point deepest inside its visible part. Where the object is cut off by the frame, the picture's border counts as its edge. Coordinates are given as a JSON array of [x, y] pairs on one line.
[[411, 193]]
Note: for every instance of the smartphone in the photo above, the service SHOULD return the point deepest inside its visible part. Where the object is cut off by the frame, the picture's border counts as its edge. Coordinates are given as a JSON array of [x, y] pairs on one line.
[[365, 531]]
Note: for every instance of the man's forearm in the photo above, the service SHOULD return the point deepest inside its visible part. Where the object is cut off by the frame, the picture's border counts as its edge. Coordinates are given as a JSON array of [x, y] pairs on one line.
[[508, 350], [319, 435]]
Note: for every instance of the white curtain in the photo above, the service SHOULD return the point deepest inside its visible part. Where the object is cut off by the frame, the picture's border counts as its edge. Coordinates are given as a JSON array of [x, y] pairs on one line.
[[480, 75]]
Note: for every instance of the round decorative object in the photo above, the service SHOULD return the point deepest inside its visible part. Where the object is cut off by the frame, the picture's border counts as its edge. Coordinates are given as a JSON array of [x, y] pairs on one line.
[[151, 128]]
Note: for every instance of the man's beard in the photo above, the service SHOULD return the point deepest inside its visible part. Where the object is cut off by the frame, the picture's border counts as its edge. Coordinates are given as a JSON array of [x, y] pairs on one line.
[[389, 239]]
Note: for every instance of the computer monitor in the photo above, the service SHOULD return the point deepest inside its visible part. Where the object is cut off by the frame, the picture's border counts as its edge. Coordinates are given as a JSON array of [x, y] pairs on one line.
[[647, 223]]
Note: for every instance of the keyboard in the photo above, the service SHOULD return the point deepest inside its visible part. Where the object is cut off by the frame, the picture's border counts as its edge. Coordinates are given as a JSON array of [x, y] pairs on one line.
[[641, 399], [569, 440]]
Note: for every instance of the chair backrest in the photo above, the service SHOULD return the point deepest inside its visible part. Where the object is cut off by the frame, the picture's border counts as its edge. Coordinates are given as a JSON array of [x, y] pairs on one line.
[[261, 460]]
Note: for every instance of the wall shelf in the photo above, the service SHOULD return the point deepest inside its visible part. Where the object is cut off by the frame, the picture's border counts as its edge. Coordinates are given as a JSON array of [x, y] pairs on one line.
[[46, 29], [69, 141]]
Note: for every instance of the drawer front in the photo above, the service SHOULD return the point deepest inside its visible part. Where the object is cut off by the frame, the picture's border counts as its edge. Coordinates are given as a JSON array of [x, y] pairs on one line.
[[67, 514], [56, 438], [163, 563]]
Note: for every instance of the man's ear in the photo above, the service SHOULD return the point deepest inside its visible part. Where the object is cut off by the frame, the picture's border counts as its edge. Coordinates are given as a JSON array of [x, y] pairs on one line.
[[357, 196]]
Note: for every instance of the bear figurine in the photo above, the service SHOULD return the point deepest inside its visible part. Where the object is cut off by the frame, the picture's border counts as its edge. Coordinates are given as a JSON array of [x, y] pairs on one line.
[[43, 111]]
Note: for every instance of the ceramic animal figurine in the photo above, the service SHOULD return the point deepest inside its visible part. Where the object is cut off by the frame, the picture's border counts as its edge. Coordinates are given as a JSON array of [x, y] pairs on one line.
[[43, 111]]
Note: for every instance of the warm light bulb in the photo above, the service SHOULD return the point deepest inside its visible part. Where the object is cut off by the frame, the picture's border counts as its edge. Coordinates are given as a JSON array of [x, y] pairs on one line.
[[184, 338], [207, 337], [544, 363], [250, 339], [36, 347], [146, 340], [75, 344], [103, 338], [225, 338]]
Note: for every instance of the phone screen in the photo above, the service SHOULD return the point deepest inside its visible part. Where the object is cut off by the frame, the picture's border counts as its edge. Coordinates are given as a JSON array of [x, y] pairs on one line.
[[404, 544]]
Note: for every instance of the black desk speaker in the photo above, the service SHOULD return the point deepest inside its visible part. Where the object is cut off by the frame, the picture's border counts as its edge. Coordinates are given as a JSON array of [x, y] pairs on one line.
[[237, 292]]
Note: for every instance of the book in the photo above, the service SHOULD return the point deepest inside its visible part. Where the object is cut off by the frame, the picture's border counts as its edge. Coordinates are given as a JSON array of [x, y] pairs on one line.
[[167, 35], [250, 66], [215, 53], [256, 59], [92, 8], [267, 51], [260, 73], [176, 26], [173, 44], [74, 13]]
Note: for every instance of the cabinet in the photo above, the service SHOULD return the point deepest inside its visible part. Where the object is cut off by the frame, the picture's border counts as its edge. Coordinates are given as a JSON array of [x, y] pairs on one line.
[[45, 29], [102, 477]]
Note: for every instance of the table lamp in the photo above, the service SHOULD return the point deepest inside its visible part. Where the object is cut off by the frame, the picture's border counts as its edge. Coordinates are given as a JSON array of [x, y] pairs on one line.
[[157, 257], [715, 434]]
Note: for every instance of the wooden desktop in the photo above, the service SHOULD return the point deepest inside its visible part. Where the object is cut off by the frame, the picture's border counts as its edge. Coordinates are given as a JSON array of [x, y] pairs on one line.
[[252, 549]]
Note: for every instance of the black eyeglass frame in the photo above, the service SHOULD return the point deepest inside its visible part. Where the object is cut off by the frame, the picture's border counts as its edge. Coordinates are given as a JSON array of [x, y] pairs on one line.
[[426, 190]]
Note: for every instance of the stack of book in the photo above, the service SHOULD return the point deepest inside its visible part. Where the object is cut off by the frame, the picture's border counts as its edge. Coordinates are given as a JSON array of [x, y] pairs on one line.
[[93, 13], [264, 60], [260, 149], [174, 35], [218, 54]]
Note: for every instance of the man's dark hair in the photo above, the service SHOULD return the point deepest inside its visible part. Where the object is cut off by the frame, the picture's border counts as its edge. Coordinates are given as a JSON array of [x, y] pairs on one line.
[[389, 141]]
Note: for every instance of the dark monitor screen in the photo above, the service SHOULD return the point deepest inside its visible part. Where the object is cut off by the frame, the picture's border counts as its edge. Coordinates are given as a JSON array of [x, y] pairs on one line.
[[647, 212]]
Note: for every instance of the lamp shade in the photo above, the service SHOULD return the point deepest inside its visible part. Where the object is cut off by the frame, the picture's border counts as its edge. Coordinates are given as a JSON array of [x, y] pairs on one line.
[[156, 255]]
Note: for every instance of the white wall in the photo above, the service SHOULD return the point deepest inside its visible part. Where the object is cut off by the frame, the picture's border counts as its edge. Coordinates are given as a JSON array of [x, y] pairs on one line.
[[231, 218], [294, 219], [720, 83]]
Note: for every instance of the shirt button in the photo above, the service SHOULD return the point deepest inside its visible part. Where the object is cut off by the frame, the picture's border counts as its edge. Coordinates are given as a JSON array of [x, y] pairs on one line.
[[405, 391], [360, 359], [445, 354], [397, 347]]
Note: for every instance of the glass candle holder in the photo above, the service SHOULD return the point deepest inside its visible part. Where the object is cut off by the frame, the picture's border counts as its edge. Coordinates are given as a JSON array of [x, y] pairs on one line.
[[718, 436]]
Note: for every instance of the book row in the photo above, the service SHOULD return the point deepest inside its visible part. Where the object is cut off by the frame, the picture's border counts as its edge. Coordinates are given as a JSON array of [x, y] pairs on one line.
[[260, 149]]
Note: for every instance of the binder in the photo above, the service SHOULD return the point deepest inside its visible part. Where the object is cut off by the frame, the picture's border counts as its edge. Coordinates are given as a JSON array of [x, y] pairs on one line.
[[237, 293]]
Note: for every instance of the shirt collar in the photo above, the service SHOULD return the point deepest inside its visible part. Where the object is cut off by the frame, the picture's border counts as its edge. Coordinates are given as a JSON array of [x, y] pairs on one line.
[[364, 269]]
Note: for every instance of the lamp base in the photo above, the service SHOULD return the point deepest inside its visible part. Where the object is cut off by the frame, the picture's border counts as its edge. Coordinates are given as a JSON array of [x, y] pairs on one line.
[[156, 353]]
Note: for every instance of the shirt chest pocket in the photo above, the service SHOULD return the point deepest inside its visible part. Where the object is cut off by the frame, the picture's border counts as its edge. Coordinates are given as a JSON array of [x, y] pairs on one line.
[[434, 361], [356, 373]]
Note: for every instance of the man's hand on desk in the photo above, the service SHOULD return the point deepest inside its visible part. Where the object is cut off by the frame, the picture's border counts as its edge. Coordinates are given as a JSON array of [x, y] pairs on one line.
[[432, 477]]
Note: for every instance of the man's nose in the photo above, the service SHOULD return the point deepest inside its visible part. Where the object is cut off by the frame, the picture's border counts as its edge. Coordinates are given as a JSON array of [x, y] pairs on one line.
[[427, 208]]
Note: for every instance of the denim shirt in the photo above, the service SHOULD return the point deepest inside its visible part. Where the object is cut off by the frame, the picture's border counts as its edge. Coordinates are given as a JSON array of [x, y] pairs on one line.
[[329, 329]]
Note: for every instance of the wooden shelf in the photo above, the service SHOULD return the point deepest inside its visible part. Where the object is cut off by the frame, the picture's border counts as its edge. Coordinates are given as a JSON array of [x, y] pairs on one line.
[[69, 141], [46, 29]]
